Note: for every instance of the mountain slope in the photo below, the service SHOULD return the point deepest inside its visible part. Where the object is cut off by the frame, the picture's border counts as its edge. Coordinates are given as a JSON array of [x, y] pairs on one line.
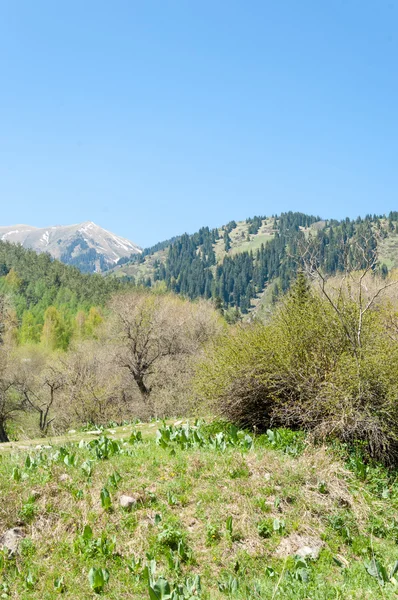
[[249, 262], [86, 245], [33, 283]]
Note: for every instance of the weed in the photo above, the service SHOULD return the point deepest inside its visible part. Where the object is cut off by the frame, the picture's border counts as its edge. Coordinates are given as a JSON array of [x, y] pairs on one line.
[[98, 578], [90, 547], [114, 479], [228, 585], [28, 510], [290, 442], [59, 585], [135, 437], [103, 448], [213, 535], [344, 524], [265, 528], [106, 501]]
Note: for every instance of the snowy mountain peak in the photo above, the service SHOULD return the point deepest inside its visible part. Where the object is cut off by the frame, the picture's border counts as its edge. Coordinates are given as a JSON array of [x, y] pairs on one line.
[[85, 245]]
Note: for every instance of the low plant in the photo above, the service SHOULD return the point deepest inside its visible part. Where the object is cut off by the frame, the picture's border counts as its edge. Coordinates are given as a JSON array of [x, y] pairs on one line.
[[98, 578], [106, 501], [91, 547]]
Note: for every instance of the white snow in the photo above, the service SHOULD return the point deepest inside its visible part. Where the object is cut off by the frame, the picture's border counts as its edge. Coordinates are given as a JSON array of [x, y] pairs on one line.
[[45, 238], [86, 227], [122, 243], [3, 237]]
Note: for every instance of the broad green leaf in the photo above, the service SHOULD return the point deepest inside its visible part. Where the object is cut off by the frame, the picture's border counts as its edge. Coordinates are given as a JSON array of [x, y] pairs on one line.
[[106, 501]]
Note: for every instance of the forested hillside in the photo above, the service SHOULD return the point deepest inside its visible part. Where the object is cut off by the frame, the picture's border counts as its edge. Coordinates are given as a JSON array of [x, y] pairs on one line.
[[235, 264], [45, 291]]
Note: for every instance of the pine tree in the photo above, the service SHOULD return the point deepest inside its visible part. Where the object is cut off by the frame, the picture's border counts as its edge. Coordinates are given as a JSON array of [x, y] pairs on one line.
[[300, 291], [227, 241]]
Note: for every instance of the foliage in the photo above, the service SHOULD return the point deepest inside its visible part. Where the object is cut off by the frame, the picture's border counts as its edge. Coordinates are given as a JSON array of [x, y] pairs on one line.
[[301, 370], [48, 295], [188, 436], [98, 578]]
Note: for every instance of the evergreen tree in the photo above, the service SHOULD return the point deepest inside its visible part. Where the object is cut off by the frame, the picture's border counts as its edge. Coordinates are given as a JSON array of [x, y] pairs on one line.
[[227, 241]]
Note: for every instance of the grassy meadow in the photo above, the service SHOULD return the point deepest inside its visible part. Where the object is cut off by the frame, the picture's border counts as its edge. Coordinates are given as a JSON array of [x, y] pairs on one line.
[[215, 513]]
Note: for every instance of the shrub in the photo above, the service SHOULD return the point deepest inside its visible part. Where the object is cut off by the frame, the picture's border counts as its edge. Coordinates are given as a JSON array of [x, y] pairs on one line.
[[308, 369]]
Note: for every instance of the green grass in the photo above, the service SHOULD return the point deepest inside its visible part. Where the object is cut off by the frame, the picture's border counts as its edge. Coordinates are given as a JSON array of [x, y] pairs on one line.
[[389, 251], [208, 505]]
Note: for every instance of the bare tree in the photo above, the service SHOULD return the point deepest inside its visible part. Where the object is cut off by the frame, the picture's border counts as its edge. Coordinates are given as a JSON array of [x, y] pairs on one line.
[[96, 386], [10, 400], [357, 285], [151, 329], [39, 378]]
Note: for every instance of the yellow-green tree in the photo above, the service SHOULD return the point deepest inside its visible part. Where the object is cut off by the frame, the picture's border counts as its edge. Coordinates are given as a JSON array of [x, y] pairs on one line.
[[55, 334], [80, 324], [29, 331], [13, 281], [93, 321]]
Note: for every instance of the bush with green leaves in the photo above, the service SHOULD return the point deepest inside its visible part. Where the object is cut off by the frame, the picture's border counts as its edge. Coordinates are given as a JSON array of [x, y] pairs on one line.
[[310, 367]]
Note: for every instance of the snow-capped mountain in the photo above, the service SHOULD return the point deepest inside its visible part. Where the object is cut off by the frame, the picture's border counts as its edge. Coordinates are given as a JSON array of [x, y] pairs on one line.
[[86, 245]]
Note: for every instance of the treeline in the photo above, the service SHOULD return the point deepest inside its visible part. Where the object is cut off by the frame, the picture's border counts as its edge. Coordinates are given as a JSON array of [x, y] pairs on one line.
[[50, 300], [191, 267]]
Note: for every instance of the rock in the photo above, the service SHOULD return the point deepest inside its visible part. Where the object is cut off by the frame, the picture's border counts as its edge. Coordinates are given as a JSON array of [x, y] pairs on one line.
[[308, 552], [127, 502], [10, 540], [64, 477], [96, 432], [302, 545], [72, 431]]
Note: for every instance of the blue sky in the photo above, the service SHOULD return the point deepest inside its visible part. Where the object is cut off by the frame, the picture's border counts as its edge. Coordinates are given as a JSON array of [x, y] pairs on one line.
[[155, 118]]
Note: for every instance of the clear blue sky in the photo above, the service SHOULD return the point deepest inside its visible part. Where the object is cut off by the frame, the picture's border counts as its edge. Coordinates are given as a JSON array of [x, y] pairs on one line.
[[155, 118]]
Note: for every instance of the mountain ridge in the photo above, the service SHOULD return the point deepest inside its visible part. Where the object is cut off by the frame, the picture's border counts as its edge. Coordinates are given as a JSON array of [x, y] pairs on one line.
[[85, 245]]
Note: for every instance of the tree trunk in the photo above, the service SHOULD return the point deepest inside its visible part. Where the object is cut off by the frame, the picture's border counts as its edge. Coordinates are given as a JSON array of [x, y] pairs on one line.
[[3, 433], [139, 379], [146, 394]]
